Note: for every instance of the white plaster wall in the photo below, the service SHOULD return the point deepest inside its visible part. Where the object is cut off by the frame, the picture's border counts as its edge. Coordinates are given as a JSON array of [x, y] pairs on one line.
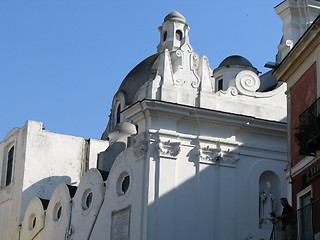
[[50, 159], [95, 147], [10, 196], [77, 216], [192, 200], [42, 160], [132, 161]]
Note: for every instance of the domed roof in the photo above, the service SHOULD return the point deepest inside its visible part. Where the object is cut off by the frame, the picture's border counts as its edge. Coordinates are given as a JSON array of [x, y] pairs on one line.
[[137, 77], [235, 60], [175, 16]]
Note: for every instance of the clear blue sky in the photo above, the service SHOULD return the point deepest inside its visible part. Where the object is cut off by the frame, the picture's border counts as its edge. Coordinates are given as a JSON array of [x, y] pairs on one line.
[[61, 61]]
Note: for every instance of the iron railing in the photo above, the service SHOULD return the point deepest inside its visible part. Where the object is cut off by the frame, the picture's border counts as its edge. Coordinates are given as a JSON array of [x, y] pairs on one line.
[[305, 223]]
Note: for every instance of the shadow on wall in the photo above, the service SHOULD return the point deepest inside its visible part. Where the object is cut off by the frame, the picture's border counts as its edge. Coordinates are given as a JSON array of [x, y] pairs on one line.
[[204, 200], [42, 189]]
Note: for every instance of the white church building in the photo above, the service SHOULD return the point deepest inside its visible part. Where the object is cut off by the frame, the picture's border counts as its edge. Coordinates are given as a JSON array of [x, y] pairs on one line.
[[189, 152]]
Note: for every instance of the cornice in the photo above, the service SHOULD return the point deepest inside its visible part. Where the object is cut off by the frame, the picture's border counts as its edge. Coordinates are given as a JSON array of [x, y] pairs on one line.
[[301, 50], [156, 109]]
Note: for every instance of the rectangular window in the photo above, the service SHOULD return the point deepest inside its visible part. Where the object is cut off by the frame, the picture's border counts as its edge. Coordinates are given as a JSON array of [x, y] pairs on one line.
[[306, 217], [304, 214]]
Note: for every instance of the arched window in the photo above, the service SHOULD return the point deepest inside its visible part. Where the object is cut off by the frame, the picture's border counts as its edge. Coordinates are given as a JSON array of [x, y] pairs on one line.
[[118, 114], [178, 35], [220, 84], [9, 166], [165, 34]]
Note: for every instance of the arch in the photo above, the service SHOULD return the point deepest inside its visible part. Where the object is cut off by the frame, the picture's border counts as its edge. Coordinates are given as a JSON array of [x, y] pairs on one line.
[[269, 184], [165, 35], [9, 165], [179, 35], [118, 115], [118, 104], [257, 173]]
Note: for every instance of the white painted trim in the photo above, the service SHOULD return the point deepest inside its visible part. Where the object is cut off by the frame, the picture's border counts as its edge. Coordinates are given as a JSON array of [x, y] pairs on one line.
[[302, 164], [302, 193], [299, 195]]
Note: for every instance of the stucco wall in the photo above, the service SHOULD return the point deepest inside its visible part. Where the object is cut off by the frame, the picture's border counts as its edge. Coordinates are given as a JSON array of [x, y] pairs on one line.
[[42, 161]]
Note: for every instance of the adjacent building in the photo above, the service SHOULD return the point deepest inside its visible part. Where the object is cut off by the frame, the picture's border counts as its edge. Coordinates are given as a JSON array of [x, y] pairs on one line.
[[300, 69]]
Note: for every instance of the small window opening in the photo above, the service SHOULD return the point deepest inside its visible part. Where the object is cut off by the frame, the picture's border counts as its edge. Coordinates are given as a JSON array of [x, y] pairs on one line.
[[178, 35], [9, 166], [220, 84], [118, 114], [165, 34], [57, 212], [32, 222], [89, 200], [125, 184]]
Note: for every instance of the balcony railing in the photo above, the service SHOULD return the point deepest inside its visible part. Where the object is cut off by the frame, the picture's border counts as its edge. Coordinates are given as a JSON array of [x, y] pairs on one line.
[[309, 130], [304, 224]]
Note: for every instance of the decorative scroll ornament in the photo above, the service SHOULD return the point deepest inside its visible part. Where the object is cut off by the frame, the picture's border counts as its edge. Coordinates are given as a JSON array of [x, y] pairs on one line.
[[169, 149], [289, 43], [140, 149], [185, 65], [234, 91], [179, 82], [179, 53], [193, 66], [247, 82]]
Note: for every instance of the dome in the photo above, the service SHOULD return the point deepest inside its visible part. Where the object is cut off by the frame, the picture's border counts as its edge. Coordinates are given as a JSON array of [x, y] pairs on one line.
[[175, 16], [136, 78], [235, 60]]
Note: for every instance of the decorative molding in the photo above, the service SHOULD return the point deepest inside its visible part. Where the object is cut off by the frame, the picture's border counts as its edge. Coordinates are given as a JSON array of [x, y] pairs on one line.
[[233, 91], [289, 43], [179, 82], [179, 53], [209, 155], [140, 149], [229, 158], [247, 82], [218, 156], [194, 61], [169, 149]]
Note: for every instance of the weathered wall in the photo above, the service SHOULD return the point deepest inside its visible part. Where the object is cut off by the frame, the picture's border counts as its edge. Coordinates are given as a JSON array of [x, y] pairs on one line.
[[302, 94], [42, 161]]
